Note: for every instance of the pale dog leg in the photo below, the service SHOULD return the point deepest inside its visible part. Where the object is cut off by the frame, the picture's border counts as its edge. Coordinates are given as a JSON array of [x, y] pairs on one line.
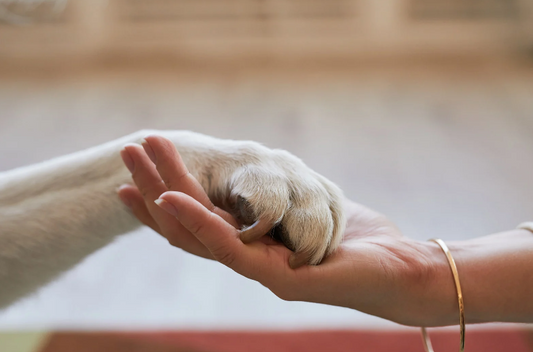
[[54, 214]]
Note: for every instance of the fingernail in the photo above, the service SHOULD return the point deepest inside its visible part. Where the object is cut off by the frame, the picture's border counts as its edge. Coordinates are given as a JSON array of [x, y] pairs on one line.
[[166, 206], [127, 159], [148, 149], [297, 260]]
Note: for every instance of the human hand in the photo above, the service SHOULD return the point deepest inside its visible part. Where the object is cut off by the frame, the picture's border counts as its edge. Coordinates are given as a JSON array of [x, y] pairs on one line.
[[265, 190], [375, 270]]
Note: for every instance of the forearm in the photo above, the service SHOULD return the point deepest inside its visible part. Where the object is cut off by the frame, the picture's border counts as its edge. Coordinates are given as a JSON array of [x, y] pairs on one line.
[[496, 274]]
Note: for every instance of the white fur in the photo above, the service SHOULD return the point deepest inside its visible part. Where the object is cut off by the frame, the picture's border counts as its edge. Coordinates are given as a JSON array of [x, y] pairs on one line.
[[54, 214]]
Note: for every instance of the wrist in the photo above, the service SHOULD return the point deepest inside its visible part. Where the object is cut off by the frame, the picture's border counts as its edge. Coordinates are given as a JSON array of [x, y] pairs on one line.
[[435, 295], [495, 286], [427, 295]]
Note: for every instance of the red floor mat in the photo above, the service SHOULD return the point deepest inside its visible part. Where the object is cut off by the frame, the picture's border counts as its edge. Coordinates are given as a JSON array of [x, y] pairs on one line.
[[308, 341]]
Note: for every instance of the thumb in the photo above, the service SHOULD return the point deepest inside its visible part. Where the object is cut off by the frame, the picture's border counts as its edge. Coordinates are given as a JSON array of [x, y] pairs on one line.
[[220, 238]]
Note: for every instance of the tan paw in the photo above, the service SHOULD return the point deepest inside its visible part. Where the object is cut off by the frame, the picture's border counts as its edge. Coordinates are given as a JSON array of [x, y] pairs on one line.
[[277, 193]]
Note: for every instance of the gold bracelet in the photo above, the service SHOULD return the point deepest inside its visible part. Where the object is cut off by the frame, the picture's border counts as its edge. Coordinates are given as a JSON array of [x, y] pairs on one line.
[[526, 226], [425, 337]]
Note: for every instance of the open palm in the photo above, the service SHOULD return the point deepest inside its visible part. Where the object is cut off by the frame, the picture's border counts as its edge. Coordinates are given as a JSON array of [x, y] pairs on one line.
[[375, 270]]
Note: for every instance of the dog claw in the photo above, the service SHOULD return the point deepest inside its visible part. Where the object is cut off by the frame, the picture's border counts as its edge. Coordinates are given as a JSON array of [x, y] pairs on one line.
[[256, 231], [299, 259]]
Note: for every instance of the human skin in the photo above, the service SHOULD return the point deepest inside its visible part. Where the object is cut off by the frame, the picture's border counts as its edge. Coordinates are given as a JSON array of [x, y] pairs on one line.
[[376, 270]]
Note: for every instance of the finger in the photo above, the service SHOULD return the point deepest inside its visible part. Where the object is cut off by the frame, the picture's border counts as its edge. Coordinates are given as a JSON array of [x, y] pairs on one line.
[[143, 172], [134, 200], [151, 186], [173, 170], [217, 235], [264, 263]]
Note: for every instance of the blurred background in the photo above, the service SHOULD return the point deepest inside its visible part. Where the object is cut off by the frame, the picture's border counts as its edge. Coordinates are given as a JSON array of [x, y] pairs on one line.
[[421, 109]]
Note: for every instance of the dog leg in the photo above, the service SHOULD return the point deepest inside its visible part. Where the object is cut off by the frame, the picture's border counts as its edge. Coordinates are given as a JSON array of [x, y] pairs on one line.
[[54, 214]]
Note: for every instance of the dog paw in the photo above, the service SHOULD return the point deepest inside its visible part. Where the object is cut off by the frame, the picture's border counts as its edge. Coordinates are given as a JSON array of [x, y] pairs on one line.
[[272, 191]]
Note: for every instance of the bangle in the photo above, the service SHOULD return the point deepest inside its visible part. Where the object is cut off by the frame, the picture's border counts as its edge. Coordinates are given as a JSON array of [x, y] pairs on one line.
[[425, 337], [526, 226]]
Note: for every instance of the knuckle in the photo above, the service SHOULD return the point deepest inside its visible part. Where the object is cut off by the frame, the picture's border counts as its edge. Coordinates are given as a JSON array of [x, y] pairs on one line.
[[172, 183], [151, 190], [168, 183], [224, 256], [145, 192], [197, 227]]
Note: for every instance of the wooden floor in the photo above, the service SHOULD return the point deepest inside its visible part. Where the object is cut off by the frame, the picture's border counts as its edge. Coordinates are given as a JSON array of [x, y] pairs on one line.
[[443, 151]]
